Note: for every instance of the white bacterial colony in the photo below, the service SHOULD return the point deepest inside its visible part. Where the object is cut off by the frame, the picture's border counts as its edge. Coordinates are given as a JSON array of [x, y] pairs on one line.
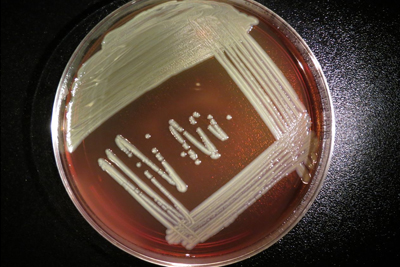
[[142, 54], [208, 147], [168, 174], [164, 41], [204, 145]]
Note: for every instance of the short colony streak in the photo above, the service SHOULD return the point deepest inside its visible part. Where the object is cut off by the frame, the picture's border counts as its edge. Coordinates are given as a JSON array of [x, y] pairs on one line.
[[158, 44]]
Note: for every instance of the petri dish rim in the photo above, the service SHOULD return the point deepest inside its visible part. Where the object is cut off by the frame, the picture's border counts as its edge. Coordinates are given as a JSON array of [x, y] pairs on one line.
[[328, 132]]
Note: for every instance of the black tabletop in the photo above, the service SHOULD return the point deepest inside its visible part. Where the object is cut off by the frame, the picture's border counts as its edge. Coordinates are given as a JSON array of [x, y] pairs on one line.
[[355, 220]]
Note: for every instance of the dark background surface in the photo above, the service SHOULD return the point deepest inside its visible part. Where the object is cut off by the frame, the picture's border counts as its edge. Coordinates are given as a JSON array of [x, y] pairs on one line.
[[354, 221]]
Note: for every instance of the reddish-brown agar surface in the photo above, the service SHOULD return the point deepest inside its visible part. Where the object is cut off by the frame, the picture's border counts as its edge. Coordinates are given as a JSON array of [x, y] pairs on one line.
[[206, 89]]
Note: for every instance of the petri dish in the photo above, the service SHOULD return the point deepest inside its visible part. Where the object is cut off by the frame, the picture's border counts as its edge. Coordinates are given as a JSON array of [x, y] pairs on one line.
[[192, 132]]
